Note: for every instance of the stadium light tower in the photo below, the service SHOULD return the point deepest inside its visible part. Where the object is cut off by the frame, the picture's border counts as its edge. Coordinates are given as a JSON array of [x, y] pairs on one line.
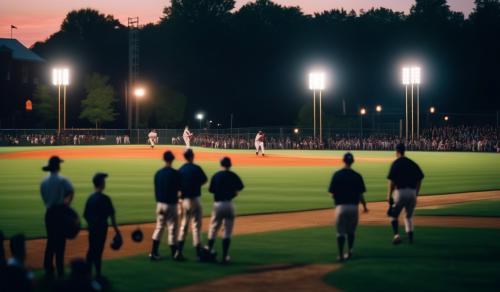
[[432, 109], [317, 82], [412, 76], [139, 93], [199, 117], [60, 77], [362, 112]]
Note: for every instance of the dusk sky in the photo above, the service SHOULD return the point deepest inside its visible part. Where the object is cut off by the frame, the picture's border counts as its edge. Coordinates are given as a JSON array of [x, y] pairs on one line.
[[37, 19]]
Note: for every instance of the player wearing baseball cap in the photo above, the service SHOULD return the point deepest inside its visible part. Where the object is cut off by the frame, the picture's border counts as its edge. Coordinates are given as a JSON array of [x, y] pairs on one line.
[[167, 185], [347, 188], [192, 178], [405, 178], [259, 143], [98, 209], [225, 185], [186, 136], [57, 193], [153, 138]]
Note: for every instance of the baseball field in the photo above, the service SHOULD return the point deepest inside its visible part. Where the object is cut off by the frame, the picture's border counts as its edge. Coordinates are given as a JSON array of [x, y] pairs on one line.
[[286, 236]]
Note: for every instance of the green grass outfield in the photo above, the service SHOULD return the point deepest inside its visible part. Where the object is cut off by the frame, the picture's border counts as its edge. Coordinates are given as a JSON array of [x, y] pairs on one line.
[[442, 259], [488, 208], [268, 189]]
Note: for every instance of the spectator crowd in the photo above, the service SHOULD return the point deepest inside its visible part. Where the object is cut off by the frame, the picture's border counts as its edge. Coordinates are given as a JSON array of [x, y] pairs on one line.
[[452, 138]]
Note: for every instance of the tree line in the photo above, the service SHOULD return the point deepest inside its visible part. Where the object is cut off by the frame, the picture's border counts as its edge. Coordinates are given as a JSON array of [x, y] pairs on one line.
[[204, 55]]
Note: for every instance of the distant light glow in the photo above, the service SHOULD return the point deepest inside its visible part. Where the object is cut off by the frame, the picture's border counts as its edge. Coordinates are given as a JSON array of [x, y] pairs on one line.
[[446, 118], [432, 110], [317, 81], [296, 131], [378, 108], [139, 92], [199, 116], [362, 111]]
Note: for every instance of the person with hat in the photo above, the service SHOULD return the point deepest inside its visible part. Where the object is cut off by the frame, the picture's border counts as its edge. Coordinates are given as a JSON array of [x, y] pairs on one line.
[[192, 178], [259, 143], [167, 182], [98, 209], [347, 188], [405, 178], [57, 193], [225, 185]]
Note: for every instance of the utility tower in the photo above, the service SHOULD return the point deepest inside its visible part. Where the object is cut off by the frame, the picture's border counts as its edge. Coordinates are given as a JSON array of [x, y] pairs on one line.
[[133, 66]]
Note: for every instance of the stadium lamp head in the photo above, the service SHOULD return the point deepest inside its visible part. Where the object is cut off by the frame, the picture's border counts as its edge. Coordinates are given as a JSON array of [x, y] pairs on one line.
[[415, 75], [296, 130], [199, 116], [60, 76], [406, 76], [446, 118], [362, 111], [432, 110], [316, 81], [378, 108]]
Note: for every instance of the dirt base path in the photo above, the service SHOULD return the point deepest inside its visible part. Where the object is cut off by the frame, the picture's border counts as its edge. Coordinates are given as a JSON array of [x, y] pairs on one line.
[[278, 221], [273, 278]]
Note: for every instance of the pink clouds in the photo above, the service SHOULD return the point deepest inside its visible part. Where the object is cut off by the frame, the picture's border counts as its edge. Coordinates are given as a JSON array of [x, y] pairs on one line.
[[36, 20]]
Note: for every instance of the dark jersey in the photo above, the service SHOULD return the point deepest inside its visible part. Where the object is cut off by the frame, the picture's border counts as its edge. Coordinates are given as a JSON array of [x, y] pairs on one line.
[[192, 178], [167, 185], [224, 185], [347, 186], [98, 209], [405, 173]]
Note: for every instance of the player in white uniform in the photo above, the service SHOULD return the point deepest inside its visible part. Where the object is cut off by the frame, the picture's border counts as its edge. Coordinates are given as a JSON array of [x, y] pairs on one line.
[[187, 137], [259, 143], [152, 138]]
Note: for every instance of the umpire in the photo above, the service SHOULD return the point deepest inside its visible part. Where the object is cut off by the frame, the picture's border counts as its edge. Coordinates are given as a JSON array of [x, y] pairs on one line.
[[98, 209], [192, 178], [167, 185], [347, 188], [225, 186], [57, 193], [405, 178]]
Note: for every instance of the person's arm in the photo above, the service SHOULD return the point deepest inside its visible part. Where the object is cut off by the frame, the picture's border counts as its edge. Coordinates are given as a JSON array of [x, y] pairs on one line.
[[363, 202], [419, 183], [113, 222], [391, 187]]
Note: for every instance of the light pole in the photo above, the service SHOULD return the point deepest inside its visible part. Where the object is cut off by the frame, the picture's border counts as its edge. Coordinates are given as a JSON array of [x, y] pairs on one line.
[[317, 82], [432, 111], [378, 109], [139, 94], [415, 80], [362, 112], [199, 117], [60, 77]]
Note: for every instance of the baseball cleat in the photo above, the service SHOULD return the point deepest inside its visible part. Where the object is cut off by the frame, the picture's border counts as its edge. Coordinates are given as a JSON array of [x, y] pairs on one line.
[[154, 257], [179, 257], [257, 153], [348, 255], [396, 240], [340, 258], [226, 259]]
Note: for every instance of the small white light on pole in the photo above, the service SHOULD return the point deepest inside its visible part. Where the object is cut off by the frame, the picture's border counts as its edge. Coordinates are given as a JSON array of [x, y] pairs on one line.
[[406, 76], [60, 77], [199, 117], [316, 81], [378, 108], [415, 75], [139, 92], [432, 110], [362, 111]]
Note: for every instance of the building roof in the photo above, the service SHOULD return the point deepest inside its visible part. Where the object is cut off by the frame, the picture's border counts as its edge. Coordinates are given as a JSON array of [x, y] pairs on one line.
[[19, 52]]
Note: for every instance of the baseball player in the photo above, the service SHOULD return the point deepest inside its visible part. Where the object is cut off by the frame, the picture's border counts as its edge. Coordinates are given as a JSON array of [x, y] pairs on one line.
[[56, 192], [97, 211], [192, 178], [259, 143], [405, 178], [167, 185], [225, 186], [152, 138], [347, 188], [187, 137]]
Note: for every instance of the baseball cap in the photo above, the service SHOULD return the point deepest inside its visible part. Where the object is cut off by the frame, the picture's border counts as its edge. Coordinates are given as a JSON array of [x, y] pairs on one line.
[[53, 163], [168, 156], [400, 148], [188, 154], [98, 179], [225, 162], [348, 158]]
